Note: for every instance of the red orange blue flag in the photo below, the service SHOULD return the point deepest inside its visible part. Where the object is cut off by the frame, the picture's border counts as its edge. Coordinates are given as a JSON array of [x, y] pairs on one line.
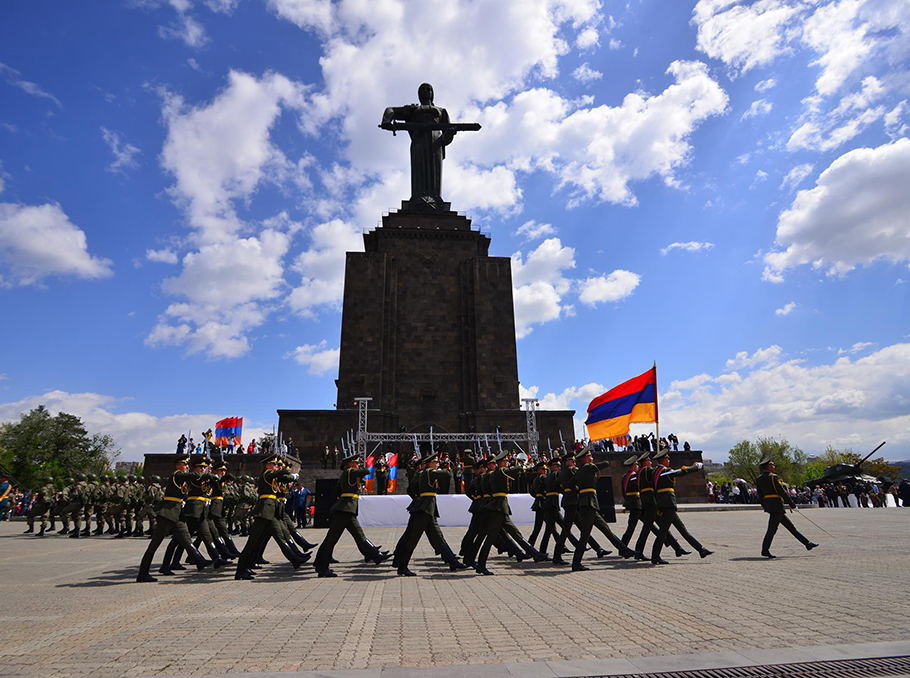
[[224, 429], [632, 402]]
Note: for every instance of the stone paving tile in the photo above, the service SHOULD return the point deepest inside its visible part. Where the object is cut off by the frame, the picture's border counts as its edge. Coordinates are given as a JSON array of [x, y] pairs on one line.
[[70, 608]]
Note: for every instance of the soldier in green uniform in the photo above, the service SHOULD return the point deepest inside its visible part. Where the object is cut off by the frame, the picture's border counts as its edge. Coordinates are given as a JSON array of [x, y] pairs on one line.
[[638, 484], [473, 536], [567, 472], [292, 536], [423, 515], [152, 494], [195, 514], [585, 485], [91, 491], [344, 517], [76, 500], [43, 501], [550, 503], [220, 480], [535, 490], [665, 488], [266, 519], [772, 495], [121, 506], [168, 521], [498, 511]]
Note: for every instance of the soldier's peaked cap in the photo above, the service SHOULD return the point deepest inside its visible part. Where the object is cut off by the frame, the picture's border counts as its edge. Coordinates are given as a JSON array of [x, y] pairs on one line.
[[272, 459], [350, 457], [543, 463], [221, 467], [480, 463], [584, 452], [198, 460], [661, 453], [554, 460], [631, 460], [499, 457], [767, 459], [430, 457], [645, 455], [182, 459]]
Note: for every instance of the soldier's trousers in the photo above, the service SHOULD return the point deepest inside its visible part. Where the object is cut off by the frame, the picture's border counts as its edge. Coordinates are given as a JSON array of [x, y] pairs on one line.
[[163, 528], [474, 528], [648, 525], [538, 525], [551, 529], [571, 518], [589, 519], [497, 523], [39, 510], [668, 517], [338, 523], [73, 510], [418, 524], [775, 519]]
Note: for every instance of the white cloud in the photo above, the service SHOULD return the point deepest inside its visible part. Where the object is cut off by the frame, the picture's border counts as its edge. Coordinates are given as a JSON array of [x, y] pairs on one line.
[[855, 215], [186, 28], [796, 175], [615, 44], [38, 241], [769, 355], [856, 348], [322, 266], [531, 230], [760, 176], [164, 256], [587, 38], [539, 284], [691, 246], [586, 74], [135, 433], [758, 107], [845, 404], [124, 153], [787, 309], [13, 77], [691, 383], [765, 85], [614, 287], [317, 358]]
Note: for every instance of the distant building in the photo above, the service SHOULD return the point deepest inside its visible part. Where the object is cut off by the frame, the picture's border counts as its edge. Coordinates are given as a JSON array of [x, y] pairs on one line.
[[127, 466]]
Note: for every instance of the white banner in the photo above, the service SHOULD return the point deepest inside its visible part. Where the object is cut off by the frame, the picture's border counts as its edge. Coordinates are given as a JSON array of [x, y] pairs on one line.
[[392, 510]]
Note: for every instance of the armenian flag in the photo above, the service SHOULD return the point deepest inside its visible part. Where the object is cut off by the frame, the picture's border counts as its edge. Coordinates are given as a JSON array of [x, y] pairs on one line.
[[632, 402], [393, 473], [368, 480], [224, 429]]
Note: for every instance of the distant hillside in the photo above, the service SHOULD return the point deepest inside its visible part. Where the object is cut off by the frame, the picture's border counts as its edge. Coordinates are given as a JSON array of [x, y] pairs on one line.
[[905, 467]]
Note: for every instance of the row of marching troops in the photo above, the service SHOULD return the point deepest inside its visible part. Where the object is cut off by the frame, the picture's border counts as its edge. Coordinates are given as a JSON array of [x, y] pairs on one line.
[[565, 497], [120, 505]]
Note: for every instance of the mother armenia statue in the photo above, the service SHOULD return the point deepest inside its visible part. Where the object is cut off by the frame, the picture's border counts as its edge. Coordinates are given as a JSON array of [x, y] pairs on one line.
[[430, 131]]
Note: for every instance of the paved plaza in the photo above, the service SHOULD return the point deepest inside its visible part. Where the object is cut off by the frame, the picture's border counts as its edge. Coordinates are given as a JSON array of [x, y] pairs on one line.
[[71, 608]]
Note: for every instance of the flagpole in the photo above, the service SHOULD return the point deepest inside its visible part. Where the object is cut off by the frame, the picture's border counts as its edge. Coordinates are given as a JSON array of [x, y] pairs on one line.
[[656, 410]]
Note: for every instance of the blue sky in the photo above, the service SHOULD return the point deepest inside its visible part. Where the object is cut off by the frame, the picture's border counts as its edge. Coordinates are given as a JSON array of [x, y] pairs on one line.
[[717, 185]]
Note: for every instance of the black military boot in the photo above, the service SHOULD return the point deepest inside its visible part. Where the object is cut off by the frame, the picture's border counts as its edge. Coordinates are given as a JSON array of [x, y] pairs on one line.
[[232, 547], [217, 561], [74, 534], [41, 533], [223, 550], [53, 527], [198, 559], [301, 542], [65, 530], [86, 531], [292, 557]]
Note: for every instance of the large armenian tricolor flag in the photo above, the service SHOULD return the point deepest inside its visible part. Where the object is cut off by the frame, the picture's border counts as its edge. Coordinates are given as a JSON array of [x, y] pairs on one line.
[[632, 402], [224, 429]]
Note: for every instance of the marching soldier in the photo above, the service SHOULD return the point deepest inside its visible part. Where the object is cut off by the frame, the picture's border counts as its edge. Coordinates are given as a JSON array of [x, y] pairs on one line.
[[266, 523], [76, 498], [570, 507], [152, 494], [772, 495], [585, 481], [665, 488], [344, 517], [648, 516], [168, 520], [43, 501]]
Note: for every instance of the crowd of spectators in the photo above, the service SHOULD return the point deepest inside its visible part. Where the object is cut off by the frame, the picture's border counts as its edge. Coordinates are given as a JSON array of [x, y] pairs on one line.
[[233, 445], [827, 495]]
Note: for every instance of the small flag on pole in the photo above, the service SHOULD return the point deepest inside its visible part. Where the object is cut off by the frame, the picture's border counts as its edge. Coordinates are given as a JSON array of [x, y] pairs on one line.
[[632, 402], [393, 473], [224, 429], [368, 480]]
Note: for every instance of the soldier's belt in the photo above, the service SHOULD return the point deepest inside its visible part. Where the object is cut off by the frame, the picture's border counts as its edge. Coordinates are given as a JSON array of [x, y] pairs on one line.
[[197, 498], [568, 490], [539, 496], [267, 496], [552, 494], [500, 494], [173, 499], [773, 496], [666, 489], [423, 494], [631, 494], [348, 494], [648, 489], [588, 489], [214, 498], [486, 496]]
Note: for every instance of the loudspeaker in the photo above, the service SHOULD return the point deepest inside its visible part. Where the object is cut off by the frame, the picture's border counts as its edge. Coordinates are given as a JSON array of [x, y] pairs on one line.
[[325, 497], [605, 498]]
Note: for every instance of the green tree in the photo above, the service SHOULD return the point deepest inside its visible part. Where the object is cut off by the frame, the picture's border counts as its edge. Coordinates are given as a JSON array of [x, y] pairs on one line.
[[40, 445], [790, 461]]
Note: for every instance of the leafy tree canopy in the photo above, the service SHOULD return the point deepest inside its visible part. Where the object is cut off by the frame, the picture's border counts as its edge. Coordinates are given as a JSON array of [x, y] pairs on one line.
[[41, 445], [744, 457]]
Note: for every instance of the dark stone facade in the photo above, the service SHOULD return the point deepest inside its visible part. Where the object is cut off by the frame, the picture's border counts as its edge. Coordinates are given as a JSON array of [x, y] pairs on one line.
[[428, 332]]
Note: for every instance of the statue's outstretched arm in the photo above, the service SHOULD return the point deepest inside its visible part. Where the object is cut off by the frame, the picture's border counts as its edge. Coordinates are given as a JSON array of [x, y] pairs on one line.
[[393, 113]]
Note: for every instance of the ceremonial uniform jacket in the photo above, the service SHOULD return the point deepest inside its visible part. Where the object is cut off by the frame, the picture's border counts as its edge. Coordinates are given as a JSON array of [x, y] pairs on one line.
[[586, 484], [269, 487], [485, 493], [567, 486], [551, 487], [428, 483], [499, 490], [348, 490], [198, 496], [216, 507], [175, 491], [665, 484], [771, 493], [631, 495], [646, 486], [538, 492], [473, 489]]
